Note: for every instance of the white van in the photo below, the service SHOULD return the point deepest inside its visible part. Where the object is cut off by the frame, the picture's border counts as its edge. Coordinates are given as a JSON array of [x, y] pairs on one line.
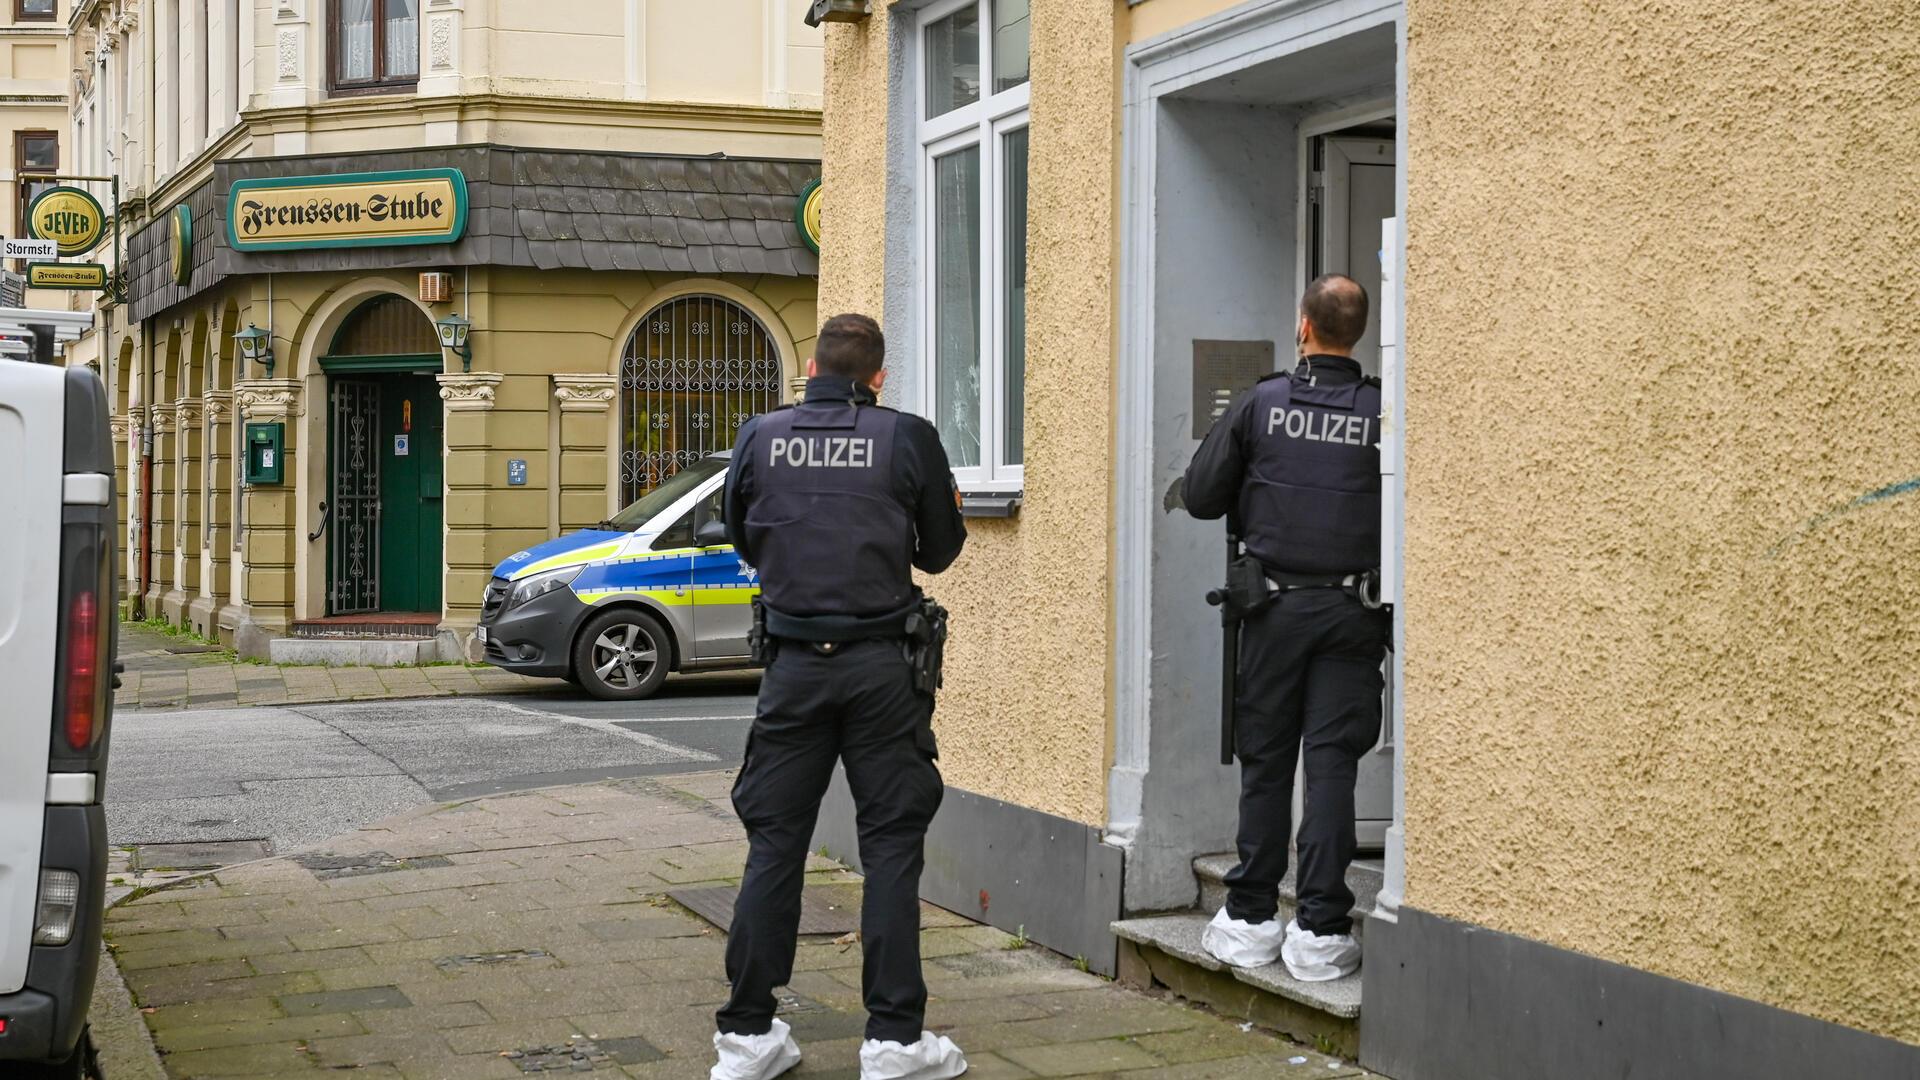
[[59, 608]]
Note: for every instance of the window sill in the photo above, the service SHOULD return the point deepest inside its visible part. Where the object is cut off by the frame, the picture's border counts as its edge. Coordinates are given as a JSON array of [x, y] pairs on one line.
[[373, 89], [991, 504]]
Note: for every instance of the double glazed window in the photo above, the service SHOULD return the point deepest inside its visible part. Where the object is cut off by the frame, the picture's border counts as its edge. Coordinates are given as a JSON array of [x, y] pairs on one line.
[[375, 44], [35, 10], [973, 183]]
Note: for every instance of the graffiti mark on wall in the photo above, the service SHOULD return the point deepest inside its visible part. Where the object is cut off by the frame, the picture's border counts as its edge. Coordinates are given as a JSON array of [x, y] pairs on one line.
[[1819, 521]]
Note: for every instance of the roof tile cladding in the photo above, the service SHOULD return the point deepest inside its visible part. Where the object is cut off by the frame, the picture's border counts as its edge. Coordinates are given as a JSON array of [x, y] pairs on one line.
[[547, 209]]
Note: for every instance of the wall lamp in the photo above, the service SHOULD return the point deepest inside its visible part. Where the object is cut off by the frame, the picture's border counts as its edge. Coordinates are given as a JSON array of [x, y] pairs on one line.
[[837, 11], [256, 344], [453, 338]]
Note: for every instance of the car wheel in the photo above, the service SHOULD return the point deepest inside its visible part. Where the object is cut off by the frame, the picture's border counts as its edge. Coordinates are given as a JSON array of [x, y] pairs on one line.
[[622, 655]]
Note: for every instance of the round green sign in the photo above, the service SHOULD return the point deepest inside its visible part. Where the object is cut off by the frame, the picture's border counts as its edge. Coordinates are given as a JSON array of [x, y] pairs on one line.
[[69, 217], [806, 214], [180, 244]]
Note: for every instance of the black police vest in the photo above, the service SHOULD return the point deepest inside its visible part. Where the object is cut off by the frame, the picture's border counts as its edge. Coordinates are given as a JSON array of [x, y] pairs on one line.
[[1311, 501], [828, 529]]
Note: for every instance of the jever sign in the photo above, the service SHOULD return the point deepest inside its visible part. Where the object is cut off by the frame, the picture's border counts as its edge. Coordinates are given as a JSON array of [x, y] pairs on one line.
[[67, 216], [419, 206]]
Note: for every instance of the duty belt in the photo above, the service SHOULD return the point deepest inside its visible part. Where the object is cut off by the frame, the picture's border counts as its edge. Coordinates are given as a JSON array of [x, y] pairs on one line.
[[1363, 586], [837, 629]]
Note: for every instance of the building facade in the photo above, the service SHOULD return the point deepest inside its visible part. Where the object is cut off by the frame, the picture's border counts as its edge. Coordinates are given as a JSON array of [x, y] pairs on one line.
[[606, 206], [34, 86], [1643, 803]]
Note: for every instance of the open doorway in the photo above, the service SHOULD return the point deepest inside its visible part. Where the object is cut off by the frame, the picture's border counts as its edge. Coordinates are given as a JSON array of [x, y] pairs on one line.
[[1262, 152]]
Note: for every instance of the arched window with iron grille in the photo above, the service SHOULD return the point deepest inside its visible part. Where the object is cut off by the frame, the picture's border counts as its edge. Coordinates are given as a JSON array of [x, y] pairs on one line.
[[696, 369]]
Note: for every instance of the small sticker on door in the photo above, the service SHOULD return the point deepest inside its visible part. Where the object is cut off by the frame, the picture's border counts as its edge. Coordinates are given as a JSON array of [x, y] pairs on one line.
[[400, 446]]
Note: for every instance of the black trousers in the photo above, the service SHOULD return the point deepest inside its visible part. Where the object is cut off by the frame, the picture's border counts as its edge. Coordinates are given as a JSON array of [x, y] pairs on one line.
[[858, 706], [1309, 677]]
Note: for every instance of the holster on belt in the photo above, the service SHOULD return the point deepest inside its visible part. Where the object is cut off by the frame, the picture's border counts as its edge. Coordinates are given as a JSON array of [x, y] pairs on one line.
[[760, 644], [926, 631]]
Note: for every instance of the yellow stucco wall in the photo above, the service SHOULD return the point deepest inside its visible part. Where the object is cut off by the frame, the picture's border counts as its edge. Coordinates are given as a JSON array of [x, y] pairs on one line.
[[1024, 714], [1151, 18], [1661, 679]]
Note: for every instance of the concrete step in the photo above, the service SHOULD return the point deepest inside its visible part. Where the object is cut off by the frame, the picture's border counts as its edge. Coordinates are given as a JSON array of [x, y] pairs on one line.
[[1165, 950], [362, 651], [1364, 877]]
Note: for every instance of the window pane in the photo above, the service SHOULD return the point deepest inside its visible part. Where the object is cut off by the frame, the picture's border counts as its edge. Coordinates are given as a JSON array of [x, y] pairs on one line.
[[1010, 24], [355, 30], [39, 151], [1013, 195], [403, 40], [956, 304], [953, 61], [37, 7]]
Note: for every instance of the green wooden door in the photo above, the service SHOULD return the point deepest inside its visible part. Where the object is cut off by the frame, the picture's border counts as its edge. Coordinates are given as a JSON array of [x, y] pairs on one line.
[[410, 493]]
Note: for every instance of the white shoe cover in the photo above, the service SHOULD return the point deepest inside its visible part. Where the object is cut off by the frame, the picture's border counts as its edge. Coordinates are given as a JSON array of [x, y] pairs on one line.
[[1314, 957], [755, 1057], [934, 1057], [1241, 943]]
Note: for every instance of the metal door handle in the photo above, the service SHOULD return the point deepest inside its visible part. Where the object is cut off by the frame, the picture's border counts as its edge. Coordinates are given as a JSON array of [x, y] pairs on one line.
[[326, 514]]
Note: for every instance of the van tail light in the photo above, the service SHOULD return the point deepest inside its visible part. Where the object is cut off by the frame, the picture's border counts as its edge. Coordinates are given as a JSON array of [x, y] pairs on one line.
[[83, 669]]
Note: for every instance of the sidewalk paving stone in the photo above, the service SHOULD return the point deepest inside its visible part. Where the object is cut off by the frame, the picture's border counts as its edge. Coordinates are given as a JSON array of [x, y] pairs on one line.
[[536, 924], [161, 676]]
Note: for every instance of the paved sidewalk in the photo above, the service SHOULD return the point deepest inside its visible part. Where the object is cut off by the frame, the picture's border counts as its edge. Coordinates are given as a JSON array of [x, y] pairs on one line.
[[530, 933], [166, 672]]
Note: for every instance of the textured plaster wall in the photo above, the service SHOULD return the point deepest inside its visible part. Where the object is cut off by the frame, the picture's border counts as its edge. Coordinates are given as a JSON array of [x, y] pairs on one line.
[[1661, 603], [1024, 714]]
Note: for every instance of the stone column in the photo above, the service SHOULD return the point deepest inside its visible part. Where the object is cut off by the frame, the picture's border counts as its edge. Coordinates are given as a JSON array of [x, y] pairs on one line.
[[122, 427], [585, 448], [160, 529], [189, 416], [267, 550], [216, 589], [476, 464]]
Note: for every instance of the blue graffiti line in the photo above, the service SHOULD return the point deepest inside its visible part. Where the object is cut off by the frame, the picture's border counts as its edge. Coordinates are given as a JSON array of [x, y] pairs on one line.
[[1891, 491]]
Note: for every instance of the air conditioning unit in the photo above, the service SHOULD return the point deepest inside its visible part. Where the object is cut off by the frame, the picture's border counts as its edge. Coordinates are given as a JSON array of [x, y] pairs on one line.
[[436, 287]]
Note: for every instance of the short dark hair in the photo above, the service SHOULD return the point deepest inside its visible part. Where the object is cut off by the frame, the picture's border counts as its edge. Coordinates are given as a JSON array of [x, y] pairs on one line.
[[850, 346], [1336, 305]]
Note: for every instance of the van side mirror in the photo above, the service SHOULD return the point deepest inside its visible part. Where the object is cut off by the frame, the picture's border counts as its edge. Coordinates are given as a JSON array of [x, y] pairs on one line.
[[711, 533]]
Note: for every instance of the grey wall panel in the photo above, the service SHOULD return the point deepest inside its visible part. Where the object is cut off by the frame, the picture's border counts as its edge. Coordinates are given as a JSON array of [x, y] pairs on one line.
[[1447, 999], [1051, 875]]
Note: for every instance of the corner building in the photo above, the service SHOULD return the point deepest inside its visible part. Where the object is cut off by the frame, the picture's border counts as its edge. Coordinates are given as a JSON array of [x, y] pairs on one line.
[[606, 202], [1643, 802]]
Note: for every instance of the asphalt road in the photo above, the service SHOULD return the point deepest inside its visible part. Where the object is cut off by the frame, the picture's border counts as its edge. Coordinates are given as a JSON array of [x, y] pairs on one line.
[[293, 776]]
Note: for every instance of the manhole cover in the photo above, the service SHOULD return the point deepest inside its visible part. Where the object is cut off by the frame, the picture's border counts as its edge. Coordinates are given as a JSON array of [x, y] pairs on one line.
[[210, 856], [824, 909], [326, 866]]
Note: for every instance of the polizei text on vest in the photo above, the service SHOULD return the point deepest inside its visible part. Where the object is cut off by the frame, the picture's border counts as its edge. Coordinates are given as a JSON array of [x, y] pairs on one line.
[[821, 452]]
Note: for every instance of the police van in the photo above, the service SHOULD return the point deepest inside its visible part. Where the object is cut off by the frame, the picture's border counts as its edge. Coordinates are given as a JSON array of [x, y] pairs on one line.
[[613, 609], [58, 622]]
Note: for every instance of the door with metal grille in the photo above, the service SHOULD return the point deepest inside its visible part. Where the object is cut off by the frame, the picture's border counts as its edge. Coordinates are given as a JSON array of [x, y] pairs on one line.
[[353, 563], [696, 370]]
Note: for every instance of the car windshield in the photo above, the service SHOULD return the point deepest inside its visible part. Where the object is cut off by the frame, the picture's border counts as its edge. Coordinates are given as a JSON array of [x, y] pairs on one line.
[[650, 505]]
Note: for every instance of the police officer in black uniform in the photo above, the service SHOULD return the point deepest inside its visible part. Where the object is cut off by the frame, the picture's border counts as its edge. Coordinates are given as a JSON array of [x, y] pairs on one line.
[[835, 501], [1295, 465]]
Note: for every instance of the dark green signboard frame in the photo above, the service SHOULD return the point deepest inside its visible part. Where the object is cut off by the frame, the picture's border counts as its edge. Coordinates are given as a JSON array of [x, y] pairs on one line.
[[94, 286], [241, 187]]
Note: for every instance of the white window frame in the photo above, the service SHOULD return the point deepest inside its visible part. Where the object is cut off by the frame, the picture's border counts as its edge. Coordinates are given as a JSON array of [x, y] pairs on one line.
[[984, 124]]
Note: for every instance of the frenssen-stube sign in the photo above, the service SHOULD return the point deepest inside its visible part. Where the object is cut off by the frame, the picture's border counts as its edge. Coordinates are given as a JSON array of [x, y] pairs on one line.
[[419, 206]]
